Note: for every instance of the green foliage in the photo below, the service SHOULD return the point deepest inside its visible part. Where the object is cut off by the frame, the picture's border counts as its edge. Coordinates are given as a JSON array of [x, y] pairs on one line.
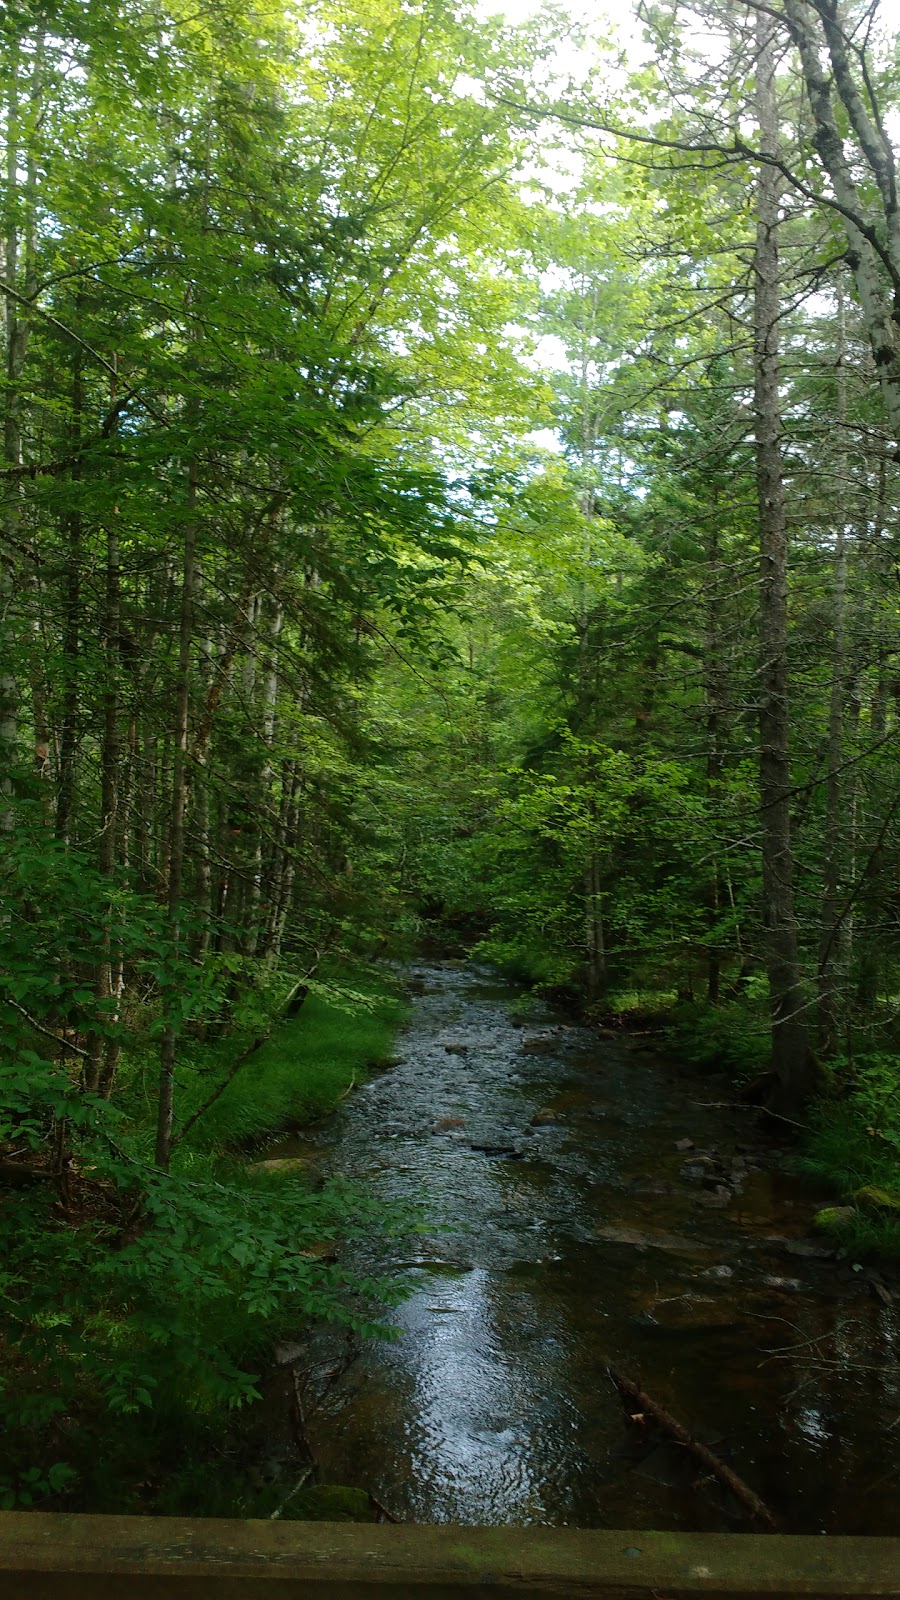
[[853, 1144], [141, 1292], [732, 1036], [303, 1070], [630, 813]]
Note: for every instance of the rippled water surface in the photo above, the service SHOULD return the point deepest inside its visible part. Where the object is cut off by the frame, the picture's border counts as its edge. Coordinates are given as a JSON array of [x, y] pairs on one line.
[[566, 1231]]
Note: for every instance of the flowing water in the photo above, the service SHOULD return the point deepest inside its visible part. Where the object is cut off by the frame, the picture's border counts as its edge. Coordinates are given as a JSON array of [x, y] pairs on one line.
[[567, 1231]]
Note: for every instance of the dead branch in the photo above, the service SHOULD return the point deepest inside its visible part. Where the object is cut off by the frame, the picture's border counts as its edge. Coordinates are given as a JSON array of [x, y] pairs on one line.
[[641, 1406], [383, 1510], [38, 1027]]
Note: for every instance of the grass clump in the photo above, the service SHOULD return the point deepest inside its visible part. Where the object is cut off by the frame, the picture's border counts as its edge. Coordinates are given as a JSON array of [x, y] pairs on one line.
[[304, 1069]]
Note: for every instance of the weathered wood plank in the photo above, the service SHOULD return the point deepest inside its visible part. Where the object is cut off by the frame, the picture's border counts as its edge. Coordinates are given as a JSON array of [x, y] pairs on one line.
[[58, 1557]]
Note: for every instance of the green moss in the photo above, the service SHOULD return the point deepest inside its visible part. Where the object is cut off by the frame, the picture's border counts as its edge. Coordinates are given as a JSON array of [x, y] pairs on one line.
[[332, 1502], [872, 1198], [833, 1219]]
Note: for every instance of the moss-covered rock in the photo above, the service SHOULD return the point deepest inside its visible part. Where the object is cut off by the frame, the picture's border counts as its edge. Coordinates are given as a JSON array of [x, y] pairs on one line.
[[872, 1198], [832, 1218], [280, 1167], [333, 1502]]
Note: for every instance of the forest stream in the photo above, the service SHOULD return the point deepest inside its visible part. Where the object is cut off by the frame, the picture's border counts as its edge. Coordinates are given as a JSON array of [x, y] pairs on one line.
[[567, 1230]]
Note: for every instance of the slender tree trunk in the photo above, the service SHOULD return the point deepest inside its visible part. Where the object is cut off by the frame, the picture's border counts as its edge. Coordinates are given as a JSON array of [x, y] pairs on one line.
[[595, 943], [166, 1102], [68, 737], [833, 937], [791, 1060], [870, 948], [255, 928], [714, 695], [110, 756], [15, 344]]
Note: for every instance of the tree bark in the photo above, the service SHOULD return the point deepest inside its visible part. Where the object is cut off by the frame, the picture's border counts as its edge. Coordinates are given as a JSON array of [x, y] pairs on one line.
[[833, 935], [714, 697], [71, 637], [791, 1061], [166, 1100], [17, 275], [878, 302]]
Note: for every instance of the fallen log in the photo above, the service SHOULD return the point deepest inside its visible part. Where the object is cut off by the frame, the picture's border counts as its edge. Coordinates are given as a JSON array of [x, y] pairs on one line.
[[644, 1407]]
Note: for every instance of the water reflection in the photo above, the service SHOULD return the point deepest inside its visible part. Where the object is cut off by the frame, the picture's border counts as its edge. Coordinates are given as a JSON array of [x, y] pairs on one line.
[[565, 1235]]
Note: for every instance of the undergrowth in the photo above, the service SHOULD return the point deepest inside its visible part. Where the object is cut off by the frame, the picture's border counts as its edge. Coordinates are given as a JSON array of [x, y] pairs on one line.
[[141, 1306], [301, 1073], [853, 1144], [731, 1036]]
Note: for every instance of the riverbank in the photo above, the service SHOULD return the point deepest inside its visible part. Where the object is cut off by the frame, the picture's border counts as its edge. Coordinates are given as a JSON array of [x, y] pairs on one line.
[[343, 1031], [849, 1140], [137, 1387]]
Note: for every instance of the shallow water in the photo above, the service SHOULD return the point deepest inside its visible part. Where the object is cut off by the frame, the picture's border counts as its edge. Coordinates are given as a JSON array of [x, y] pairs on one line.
[[555, 1249]]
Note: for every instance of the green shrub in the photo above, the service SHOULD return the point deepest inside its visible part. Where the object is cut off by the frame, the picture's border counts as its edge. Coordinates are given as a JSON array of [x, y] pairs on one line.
[[733, 1036]]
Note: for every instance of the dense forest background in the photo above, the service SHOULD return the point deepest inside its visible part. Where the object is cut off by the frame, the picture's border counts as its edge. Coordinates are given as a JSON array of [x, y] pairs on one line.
[[443, 488]]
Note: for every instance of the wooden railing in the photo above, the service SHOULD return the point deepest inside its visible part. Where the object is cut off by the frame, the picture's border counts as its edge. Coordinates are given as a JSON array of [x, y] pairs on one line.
[[57, 1557]]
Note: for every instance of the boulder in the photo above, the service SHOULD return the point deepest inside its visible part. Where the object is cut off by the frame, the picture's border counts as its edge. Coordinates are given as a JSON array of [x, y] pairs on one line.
[[832, 1217], [872, 1198], [543, 1117], [333, 1502], [279, 1167]]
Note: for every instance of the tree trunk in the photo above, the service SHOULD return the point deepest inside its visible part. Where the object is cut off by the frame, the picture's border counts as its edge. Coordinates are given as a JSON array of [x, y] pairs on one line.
[[16, 328], [109, 788], [833, 936], [714, 697], [595, 944], [876, 301], [166, 1101], [68, 737], [791, 1061]]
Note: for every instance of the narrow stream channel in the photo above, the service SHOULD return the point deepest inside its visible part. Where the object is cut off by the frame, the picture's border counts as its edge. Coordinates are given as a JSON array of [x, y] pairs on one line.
[[566, 1231]]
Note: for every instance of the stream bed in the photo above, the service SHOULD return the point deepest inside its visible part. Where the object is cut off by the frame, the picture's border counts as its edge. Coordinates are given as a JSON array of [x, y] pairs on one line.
[[586, 1205]]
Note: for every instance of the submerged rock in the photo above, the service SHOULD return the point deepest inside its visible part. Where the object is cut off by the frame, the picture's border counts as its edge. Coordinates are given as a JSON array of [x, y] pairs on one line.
[[543, 1117], [641, 1239]]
